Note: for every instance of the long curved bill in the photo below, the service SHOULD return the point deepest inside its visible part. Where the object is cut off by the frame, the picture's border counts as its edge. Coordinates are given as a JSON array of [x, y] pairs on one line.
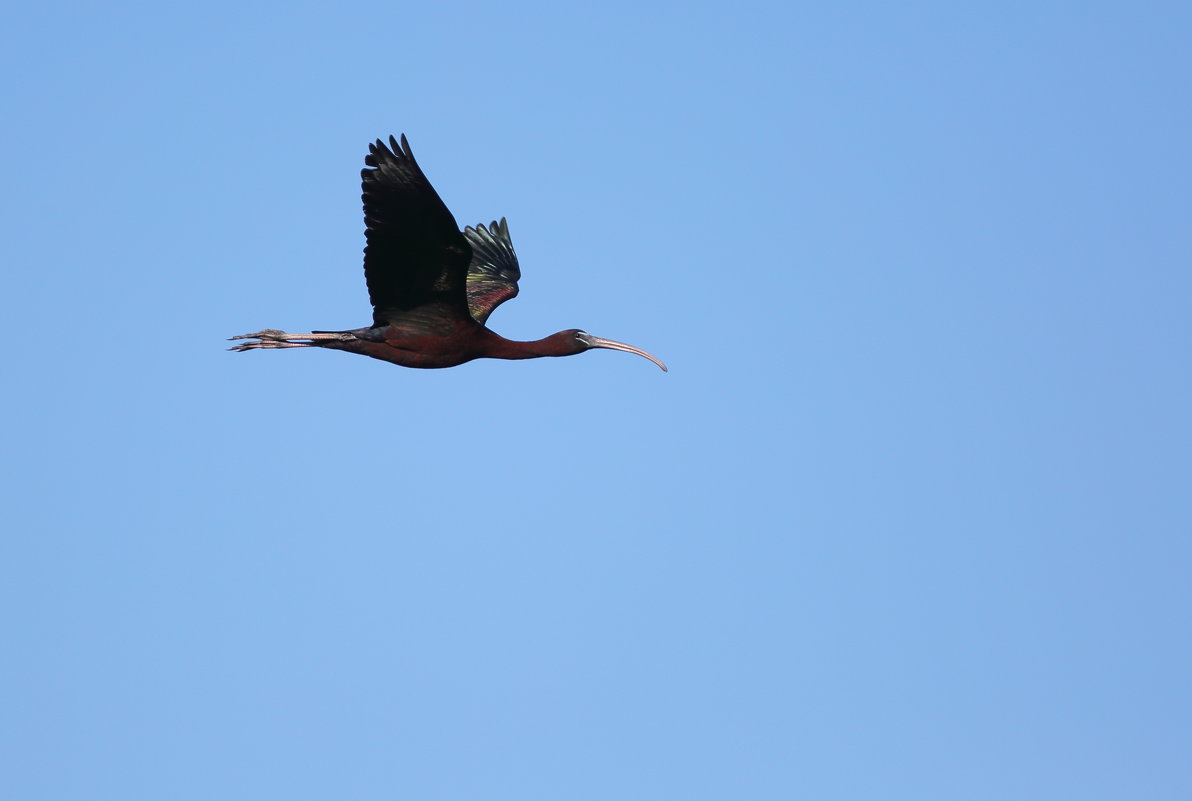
[[597, 342]]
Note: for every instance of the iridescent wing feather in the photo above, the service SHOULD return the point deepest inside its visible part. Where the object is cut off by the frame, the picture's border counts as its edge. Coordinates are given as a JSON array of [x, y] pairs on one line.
[[494, 272]]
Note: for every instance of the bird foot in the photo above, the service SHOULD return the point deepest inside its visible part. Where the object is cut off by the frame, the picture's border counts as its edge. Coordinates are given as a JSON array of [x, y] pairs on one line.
[[272, 338], [268, 333]]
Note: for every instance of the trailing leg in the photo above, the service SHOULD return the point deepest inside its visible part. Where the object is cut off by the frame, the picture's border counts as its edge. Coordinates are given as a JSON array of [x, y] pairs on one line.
[[272, 338]]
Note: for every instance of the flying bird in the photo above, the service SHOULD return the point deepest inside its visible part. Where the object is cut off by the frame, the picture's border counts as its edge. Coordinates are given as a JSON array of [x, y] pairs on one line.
[[432, 286]]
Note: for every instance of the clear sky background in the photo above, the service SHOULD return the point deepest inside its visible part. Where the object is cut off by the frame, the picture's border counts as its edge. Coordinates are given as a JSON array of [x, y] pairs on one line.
[[909, 517]]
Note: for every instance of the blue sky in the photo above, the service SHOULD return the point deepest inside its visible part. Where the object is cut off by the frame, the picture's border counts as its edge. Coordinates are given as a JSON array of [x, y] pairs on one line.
[[908, 519]]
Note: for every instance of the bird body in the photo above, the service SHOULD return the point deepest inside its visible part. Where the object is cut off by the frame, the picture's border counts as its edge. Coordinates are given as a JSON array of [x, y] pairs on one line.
[[432, 286], [445, 347]]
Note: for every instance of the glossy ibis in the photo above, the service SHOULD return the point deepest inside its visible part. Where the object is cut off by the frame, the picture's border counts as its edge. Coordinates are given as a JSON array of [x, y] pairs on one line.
[[432, 286]]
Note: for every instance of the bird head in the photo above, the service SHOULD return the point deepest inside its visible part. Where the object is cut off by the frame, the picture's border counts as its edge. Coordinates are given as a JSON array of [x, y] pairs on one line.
[[581, 341]]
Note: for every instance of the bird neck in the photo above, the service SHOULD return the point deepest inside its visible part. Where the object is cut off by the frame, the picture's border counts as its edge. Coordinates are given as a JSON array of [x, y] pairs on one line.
[[560, 344]]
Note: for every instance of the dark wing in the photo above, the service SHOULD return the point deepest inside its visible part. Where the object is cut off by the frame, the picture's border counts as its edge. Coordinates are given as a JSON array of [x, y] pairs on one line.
[[493, 273], [415, 254]]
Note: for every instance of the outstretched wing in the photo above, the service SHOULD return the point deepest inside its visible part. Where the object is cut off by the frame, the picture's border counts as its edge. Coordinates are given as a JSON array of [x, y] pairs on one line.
[[415, 254], [493, 273]]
